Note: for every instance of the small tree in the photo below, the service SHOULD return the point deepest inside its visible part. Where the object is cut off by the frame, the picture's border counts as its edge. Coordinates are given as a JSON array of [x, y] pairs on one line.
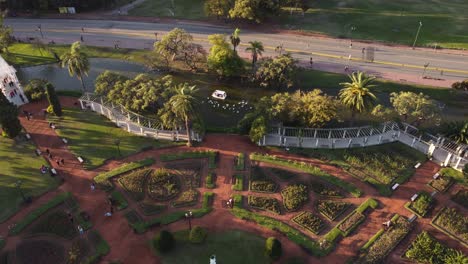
[[76, 62], [9, 121], [273, 248], [35, 90], [53, 100], [463, 85], [258, 129], [164, 241], [278, 73], [218, 8], [235, 39], [415, 108], [197, 235], [222, 59], [106, 81]]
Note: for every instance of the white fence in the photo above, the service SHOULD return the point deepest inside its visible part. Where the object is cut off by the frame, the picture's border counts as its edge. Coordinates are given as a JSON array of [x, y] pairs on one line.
[[443, 150], [132, 122]]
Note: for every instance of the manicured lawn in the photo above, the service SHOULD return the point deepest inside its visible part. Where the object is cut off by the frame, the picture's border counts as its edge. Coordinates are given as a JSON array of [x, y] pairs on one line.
[[229, 247], [24, 54], [186, 9], [92, 136], [389, 21], [19, 162]]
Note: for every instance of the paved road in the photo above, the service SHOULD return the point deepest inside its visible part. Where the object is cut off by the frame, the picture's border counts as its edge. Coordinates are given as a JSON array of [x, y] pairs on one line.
[[395, 63]]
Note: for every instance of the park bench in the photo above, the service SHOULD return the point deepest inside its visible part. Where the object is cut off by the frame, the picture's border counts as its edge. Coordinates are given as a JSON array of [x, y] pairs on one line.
[[412, 218], [395, 186], [65, 140], [414, 197], [38, 152], [417, 165], [436, 176], [80, 159], [28, 136]]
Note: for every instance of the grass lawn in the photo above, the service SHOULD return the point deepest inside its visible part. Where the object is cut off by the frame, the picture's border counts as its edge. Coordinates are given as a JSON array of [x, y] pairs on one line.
[[24, 54], [229, 247], [444, 23], [92, 136], [187, 9], [19, 162]]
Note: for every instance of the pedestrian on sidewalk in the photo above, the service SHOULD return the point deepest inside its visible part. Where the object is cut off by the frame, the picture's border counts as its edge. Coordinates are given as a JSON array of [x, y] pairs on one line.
[[311, 61], [81, 38], [93, 186], [80, 230], [62, 161], [82, 29], [58, 162], [51, 156], [47, 151]]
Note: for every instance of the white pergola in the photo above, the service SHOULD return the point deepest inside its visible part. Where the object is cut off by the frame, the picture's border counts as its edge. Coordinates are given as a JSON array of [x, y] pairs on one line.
[[10, 84]]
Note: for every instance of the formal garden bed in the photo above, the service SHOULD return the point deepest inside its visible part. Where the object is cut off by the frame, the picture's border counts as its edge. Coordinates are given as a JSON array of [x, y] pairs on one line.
[[57, 223], [461, 197], [441, 183], [151, 208], [134, 183], [284, 175], [453, 223], [421, 205], [239, 182], [260, 182], [332, 209], [186, 198], [324, 189], [264, 203], [163, 185], [211, 155], [381, 244], [351, 221], [426, 249], [103, 179], [294, 196], [308, 168], [119, 199], [310, 222]]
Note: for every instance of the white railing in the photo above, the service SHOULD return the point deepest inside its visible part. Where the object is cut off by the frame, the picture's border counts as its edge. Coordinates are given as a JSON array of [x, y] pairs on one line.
[[132, 122], [443, 150]]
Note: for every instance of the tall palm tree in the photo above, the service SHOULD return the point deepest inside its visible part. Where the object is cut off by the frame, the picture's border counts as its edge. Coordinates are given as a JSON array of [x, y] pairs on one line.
[[256, 49], [235, 39], [77, 62], [356, 95], [183, 105]]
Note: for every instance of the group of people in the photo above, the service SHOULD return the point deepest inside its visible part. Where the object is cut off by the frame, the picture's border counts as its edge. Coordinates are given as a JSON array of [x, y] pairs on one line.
[[27, 114]]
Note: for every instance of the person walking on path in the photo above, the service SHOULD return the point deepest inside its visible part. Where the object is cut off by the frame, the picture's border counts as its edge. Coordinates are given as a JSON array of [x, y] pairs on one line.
[[93, 186], [58, 162], [81, 38], [80, 230], [62, 161], [47, 151]]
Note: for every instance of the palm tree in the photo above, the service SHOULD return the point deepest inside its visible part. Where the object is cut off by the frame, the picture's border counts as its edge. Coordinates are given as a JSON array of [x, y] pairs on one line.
[[457, 131], [235, 39], [256, 49], [183, 105], [77, 62], [356, 95]]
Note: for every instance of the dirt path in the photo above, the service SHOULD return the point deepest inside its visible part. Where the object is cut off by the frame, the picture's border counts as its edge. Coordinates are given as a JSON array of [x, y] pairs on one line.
[[125, 245]]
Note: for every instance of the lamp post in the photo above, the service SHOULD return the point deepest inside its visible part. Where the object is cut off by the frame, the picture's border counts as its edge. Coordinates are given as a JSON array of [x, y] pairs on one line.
[[189, 216], [417, 34]]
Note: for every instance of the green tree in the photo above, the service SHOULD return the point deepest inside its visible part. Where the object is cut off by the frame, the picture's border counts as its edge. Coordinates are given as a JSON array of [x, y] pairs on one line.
[[53, 100], [218, 8], [256, 49], [278, 73], [5, 36], [258, 129], [383, 113], [164, 241], [173, 45], [197, 235], [273, 248], [356, 95], [35, 89], [183, 105], [415, 108], [457, 131], [222, 59], [106, 82], [77, 62], [235, 38], [9, 121], [314, 109], [254, 10], [194, 56]]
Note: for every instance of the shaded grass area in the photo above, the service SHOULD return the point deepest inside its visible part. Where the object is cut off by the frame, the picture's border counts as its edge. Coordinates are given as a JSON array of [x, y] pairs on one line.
[[388, 21], [18, 161], [231, 246], [92, 137], [186, 9]]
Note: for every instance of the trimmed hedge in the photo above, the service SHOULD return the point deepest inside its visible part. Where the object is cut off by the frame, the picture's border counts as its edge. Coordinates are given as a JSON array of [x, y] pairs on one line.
[[421, 205], [120, 199], [209, 180], [239, 185], [152, 209], [100, 246], [309, 169], [36, 213], [103, 178], [211, 155], [273, 248], [240, 162]]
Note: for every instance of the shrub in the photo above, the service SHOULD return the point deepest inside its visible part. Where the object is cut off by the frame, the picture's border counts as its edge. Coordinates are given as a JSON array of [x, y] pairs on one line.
[[323, 189], [273, 248], [294, 196], [264, 203], [332, 209], [134, 183], [463, 85], [209, 180], [120, 200], [152, 209], [162, 185], [164, 241], [35, 90], [211, 155], [53, 99], [309, 221], [103, 178], [197, 235], [239, 184], [239, 163], [187, 198], [461, 197], [421, 205], [101, 247]]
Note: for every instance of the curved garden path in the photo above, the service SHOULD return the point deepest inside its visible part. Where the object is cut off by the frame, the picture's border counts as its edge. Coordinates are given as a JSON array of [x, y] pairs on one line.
[[133, 248]]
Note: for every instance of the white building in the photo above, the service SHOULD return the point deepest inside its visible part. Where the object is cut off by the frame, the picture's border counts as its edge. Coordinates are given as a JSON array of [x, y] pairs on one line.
[[10, 85]]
